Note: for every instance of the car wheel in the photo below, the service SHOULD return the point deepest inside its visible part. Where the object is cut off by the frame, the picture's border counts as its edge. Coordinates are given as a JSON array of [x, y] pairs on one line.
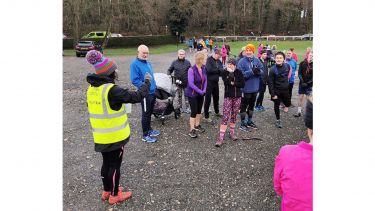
[[78, 55]]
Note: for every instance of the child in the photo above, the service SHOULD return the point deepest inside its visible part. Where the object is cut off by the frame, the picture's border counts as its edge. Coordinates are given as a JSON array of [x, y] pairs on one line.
[[293, 174], [233, 81], [278, 85]]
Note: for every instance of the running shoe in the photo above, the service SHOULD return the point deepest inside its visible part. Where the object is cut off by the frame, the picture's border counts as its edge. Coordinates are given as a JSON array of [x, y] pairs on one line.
[[200, 129], [262, 108], [187, 111], [257, 108], [218, 115], [154, 133], [209, 120], [233, 138], [193, 133], [252, 125], [298, 114], [278, 123], [121, 196], [105, 195], [149, 139], [245, 128], [219, 142]]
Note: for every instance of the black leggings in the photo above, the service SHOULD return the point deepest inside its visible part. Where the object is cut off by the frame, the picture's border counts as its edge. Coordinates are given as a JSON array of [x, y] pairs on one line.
[[247, 105], [196, 104], [212, 90], [283, 97], [110, 171], [260, 98]]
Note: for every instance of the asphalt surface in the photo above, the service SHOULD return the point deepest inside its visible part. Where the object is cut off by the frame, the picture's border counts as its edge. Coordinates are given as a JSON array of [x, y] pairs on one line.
[[177, 172]]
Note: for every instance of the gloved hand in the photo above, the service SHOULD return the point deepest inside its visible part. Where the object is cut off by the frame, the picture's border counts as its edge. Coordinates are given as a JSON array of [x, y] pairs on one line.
[[178, 82], [148, 77], [256, 71], [304, 84]]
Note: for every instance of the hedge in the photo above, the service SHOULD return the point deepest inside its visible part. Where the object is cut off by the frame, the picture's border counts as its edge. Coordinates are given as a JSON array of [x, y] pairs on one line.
[[68, 43], [131, 41]]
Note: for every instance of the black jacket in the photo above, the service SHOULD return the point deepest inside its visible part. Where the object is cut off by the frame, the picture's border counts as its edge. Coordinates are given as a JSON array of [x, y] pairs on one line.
[[116, 97], [239, 82], [278, 82], [265, 71], [180, 68], [214, 68], [305, 73]]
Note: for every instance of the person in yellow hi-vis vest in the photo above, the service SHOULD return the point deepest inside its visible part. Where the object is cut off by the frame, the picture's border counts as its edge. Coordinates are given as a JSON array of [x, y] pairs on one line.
[[109, 120]]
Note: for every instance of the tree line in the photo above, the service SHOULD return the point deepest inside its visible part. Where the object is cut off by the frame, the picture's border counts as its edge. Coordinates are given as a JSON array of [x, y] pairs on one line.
[[188, 17]]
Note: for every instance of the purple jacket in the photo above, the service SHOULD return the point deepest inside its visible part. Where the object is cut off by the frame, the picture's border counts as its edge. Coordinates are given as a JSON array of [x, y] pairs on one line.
[[196, 84]]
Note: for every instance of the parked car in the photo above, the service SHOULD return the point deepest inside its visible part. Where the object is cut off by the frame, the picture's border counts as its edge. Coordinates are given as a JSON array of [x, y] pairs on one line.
[[96, 34], [116, 35], [83, 47]]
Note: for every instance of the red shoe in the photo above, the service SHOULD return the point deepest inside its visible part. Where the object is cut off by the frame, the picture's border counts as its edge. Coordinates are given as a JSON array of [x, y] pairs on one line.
[[105, 195], [121, 196]]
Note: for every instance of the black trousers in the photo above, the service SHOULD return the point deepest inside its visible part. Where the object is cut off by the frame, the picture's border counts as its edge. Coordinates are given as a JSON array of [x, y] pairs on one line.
[[212, 90], [247, 105], [262, 90], [283, 97], [110, 171], [196, 104]]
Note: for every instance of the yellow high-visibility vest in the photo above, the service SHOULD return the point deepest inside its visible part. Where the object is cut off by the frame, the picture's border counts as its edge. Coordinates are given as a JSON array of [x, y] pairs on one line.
[[108, 126]]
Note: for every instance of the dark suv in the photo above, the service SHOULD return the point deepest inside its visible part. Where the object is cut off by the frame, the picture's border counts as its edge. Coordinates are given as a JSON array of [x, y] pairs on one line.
[[83, 47]]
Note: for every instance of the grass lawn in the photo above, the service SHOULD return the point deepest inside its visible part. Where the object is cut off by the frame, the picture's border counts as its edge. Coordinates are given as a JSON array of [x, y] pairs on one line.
[[299, 46]]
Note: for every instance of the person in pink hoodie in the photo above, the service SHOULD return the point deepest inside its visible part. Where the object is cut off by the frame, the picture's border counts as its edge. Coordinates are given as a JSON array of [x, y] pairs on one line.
[[224, 53], [293, 174]]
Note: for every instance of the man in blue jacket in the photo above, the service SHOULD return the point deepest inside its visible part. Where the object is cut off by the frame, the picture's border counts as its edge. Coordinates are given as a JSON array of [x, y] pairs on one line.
[[252, 69], [138, 68], [293, 64]]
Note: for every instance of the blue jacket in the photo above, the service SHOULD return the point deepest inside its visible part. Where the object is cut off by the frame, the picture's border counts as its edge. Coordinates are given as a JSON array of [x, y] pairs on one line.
[[138, 69], [246, 65], [292, 63]]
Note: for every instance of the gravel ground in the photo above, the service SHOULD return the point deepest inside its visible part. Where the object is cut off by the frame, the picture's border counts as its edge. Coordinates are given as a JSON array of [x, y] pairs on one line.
[[176, 173]]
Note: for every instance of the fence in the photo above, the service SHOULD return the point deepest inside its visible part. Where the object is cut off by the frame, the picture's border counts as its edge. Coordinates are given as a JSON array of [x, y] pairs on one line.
[[259, 38]]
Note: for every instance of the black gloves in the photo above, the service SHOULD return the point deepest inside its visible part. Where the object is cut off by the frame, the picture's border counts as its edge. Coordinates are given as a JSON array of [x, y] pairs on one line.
[[256, 71]]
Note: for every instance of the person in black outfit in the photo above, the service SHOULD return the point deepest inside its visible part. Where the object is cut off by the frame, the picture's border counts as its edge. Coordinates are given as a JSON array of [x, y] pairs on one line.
[[305, 75], [214, 67], [263, 82], [180, 68], [278, 85]]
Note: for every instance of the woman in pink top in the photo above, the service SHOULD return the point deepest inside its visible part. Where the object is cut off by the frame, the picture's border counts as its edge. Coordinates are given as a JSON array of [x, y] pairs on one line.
[[224, 53], [293, 175], [307, 52], [260, 48]]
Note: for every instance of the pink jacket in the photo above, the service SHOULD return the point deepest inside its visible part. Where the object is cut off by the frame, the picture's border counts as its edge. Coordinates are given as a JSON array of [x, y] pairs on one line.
[[293, 177], [224, 51]]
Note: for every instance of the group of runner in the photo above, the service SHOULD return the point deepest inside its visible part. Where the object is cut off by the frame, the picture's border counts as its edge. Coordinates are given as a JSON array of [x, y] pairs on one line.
[[243, 93], [243, 79]]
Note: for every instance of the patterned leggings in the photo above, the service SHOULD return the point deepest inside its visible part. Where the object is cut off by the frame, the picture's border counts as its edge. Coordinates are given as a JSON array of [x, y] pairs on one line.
[[179, 92], [231, 108]]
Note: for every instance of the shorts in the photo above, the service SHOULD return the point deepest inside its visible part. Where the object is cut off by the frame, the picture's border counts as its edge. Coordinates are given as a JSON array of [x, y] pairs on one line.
[[304, 90], [284, 97]]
